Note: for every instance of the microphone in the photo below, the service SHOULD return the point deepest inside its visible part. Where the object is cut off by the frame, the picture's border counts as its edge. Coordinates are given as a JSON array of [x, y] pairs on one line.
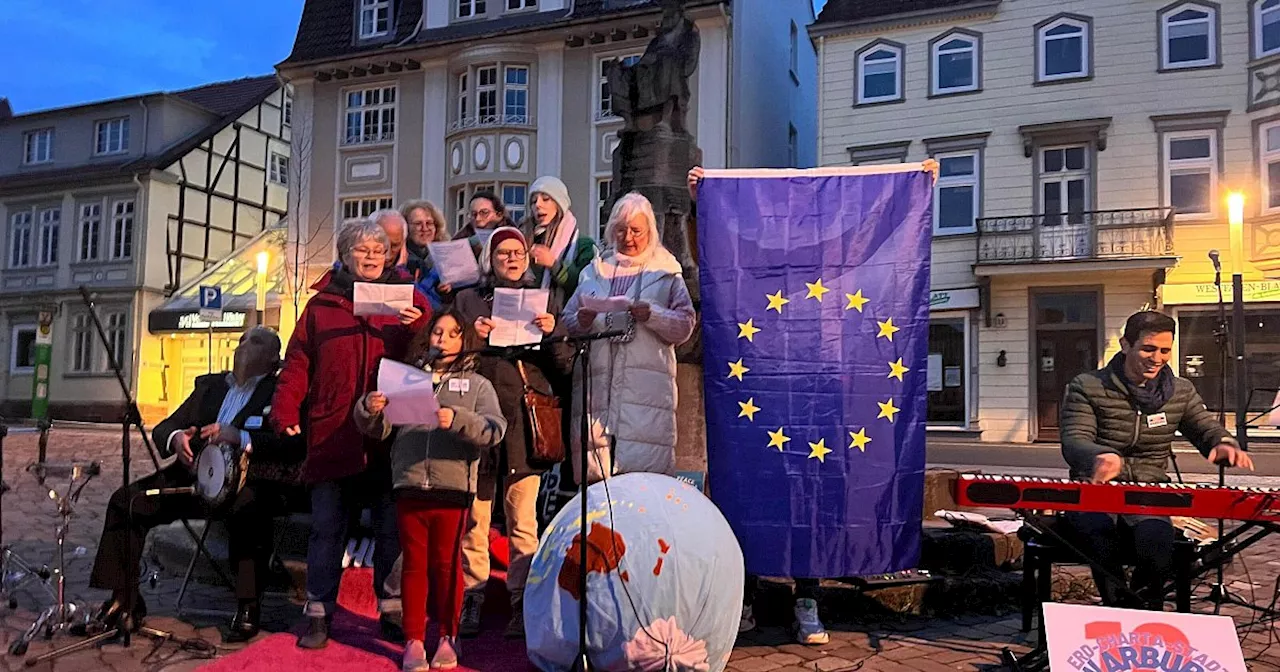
[[1217, 263], [429, 357], [189, 490]]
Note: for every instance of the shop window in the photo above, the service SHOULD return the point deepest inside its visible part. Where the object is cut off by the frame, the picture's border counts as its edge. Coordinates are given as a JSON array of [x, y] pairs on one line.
[[1198, 359], [946, 372]]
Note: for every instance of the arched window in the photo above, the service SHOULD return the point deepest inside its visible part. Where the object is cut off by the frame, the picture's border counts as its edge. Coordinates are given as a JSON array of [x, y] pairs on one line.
[[1189, 36], [1266, 28], [879, 73], [1063, 48], [955, 59]]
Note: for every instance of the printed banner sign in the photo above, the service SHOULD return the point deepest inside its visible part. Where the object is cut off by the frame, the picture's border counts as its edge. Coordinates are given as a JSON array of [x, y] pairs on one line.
[[1085, 638]]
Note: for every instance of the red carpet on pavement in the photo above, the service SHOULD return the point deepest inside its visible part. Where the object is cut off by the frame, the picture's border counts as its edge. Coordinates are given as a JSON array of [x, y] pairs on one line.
[[354, 639]]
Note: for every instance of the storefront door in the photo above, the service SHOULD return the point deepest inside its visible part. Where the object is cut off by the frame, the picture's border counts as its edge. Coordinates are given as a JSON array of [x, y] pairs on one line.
[[1065, 345]]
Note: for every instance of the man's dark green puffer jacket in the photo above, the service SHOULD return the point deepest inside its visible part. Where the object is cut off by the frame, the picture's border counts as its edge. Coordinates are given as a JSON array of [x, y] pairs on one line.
[[1099, 417]]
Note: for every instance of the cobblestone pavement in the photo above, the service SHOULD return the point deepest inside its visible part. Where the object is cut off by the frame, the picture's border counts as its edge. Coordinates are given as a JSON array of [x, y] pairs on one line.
[[907, 643]]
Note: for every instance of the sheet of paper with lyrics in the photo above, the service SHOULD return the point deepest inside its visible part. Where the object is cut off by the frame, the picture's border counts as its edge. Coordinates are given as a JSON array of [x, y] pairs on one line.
[[372, 298], [513, 313], [411, 396]]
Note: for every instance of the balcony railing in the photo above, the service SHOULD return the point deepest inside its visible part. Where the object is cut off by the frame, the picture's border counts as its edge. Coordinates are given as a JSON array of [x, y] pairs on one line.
[[490, 120], [1099, 234]]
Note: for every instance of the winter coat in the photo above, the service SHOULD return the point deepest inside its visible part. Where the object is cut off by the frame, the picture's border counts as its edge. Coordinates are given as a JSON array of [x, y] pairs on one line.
[[633, 384], [330, 363], [546, 368], [1098, 416], [441, 464]]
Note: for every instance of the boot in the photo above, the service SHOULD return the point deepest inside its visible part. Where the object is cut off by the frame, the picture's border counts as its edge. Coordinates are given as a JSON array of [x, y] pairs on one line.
[[472, 605], [317, 635], [245, 625], [515, 628], [392, 626]]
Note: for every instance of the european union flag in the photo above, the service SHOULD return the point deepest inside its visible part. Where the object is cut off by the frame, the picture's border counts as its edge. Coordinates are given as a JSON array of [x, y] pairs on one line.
[[815, 309]]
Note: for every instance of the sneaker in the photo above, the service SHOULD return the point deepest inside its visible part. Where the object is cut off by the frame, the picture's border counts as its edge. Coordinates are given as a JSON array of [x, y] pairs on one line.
[[415, 657], [809, 629], [446, 655], [472, 605], [748, 621]]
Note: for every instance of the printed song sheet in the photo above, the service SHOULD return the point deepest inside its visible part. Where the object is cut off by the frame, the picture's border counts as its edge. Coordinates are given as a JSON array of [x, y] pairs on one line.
[[513, 313], [612, 304], [455, 262], [379, 299], [411, 398]]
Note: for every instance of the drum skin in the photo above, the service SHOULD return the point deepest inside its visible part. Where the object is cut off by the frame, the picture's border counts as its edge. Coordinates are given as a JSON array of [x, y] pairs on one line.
[[663, 543], [218, 472]]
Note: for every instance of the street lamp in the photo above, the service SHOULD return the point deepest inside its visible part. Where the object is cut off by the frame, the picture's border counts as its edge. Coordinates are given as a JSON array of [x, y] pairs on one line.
[[1235, 220], [261, 303]]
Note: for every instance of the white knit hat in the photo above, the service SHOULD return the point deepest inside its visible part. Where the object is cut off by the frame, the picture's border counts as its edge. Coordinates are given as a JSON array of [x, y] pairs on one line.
[[553, 187]]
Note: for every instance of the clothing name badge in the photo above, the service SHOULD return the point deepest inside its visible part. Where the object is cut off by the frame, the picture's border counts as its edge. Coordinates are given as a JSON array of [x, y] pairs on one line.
[[1157, 420], [459, 385]]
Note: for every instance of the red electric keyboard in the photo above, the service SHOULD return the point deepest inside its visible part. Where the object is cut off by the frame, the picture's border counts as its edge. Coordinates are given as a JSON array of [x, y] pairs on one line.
[[1153, 499]]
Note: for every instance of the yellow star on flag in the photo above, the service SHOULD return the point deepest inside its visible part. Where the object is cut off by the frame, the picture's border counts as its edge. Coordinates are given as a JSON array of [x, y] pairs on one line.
[[819, 450], [887, 329], [748, 330], [749, 409], [777, 439], [896, 369], [736, 369], [856, 301], [859, 439], [816, 290], [776, 302], [887, 409]]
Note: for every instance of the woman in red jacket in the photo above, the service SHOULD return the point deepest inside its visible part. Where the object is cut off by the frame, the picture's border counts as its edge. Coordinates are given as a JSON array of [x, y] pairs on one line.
[[331, 362]]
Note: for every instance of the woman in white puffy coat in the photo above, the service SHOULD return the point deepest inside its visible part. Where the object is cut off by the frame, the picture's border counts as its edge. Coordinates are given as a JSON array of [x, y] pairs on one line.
[[633, 377]]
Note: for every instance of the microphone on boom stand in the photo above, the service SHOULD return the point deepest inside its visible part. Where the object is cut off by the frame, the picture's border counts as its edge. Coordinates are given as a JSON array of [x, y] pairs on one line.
[[1219, 592]]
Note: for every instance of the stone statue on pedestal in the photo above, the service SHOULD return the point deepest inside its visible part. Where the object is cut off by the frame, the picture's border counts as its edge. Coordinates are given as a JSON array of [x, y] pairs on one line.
[[655, 149]]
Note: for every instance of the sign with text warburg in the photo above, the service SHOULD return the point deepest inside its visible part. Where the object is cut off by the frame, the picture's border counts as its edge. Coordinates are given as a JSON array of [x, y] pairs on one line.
[[1084, 638]]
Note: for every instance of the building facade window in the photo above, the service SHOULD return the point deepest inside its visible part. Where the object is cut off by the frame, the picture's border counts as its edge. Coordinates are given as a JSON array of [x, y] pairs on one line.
[[355, 208], [22, 351], [461, 209], [1190, 173], [1066, 181], [117, 329], [879, 73], [90, 232], [122, 230], [20, 239], [371, 115], [1063, 49], [37, 146], [113, 136], [470, 8], [50, 222], [795, 53], [793, 146], [947, 373], [604, 191], [287, 111], [279, 169], [1269, 162], [487, 94], [81, 344], [517, 5], [1188, 36], [955, 204], [516, 199], [464, 95], [954, 63], [1266, 28], [604, 97], [375, 18], [515, 106]]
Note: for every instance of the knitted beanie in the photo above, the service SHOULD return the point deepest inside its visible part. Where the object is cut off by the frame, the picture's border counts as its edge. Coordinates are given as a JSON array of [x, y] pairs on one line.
[[553, 187]]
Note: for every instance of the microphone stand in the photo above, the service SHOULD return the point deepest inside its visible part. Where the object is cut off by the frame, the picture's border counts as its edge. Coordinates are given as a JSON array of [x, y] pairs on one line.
[[582, 356], [1218, 593]]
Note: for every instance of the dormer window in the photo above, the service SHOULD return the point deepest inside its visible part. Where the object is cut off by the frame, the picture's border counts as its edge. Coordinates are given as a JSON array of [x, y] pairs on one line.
[[517, 5], [375, 18], [470, 8], [37, 146], [112, 136]]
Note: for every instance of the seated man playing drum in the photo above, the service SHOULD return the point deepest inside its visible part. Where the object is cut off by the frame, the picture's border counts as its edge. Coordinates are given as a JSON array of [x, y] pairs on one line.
[[217, 428]]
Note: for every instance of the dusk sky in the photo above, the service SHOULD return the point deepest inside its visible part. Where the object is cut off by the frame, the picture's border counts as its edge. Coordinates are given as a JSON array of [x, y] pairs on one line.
[[76, 51]]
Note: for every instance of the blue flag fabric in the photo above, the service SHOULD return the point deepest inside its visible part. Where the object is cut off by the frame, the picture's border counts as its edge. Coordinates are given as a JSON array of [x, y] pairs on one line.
[[815, 288]]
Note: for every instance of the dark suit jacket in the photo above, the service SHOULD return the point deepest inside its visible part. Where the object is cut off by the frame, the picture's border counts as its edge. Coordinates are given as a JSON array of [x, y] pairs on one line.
[[201, 408]]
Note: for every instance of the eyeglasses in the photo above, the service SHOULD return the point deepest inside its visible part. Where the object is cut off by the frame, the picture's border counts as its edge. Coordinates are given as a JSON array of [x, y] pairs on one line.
[[424, 225], [476, 214], [511, 254], [368, 252]]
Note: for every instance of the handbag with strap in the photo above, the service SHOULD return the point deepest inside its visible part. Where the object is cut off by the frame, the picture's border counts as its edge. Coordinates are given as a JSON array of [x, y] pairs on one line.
[[542, 411]]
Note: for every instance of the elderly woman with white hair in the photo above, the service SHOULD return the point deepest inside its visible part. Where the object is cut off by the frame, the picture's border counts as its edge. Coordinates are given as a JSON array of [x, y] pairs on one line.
[[632, 409], [332, 362]]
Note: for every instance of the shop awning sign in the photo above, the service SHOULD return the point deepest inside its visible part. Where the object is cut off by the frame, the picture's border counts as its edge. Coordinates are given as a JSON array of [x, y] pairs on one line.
[[1207, 292]]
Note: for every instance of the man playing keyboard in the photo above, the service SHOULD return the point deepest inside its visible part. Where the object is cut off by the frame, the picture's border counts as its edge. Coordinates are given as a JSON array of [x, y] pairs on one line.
[[1118, 424]]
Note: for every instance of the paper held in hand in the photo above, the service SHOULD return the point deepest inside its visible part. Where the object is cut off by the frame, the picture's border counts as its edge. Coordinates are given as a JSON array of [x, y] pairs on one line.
[[411, 398], [379, 299], [513, 313], [612, 304], [455, 262]]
